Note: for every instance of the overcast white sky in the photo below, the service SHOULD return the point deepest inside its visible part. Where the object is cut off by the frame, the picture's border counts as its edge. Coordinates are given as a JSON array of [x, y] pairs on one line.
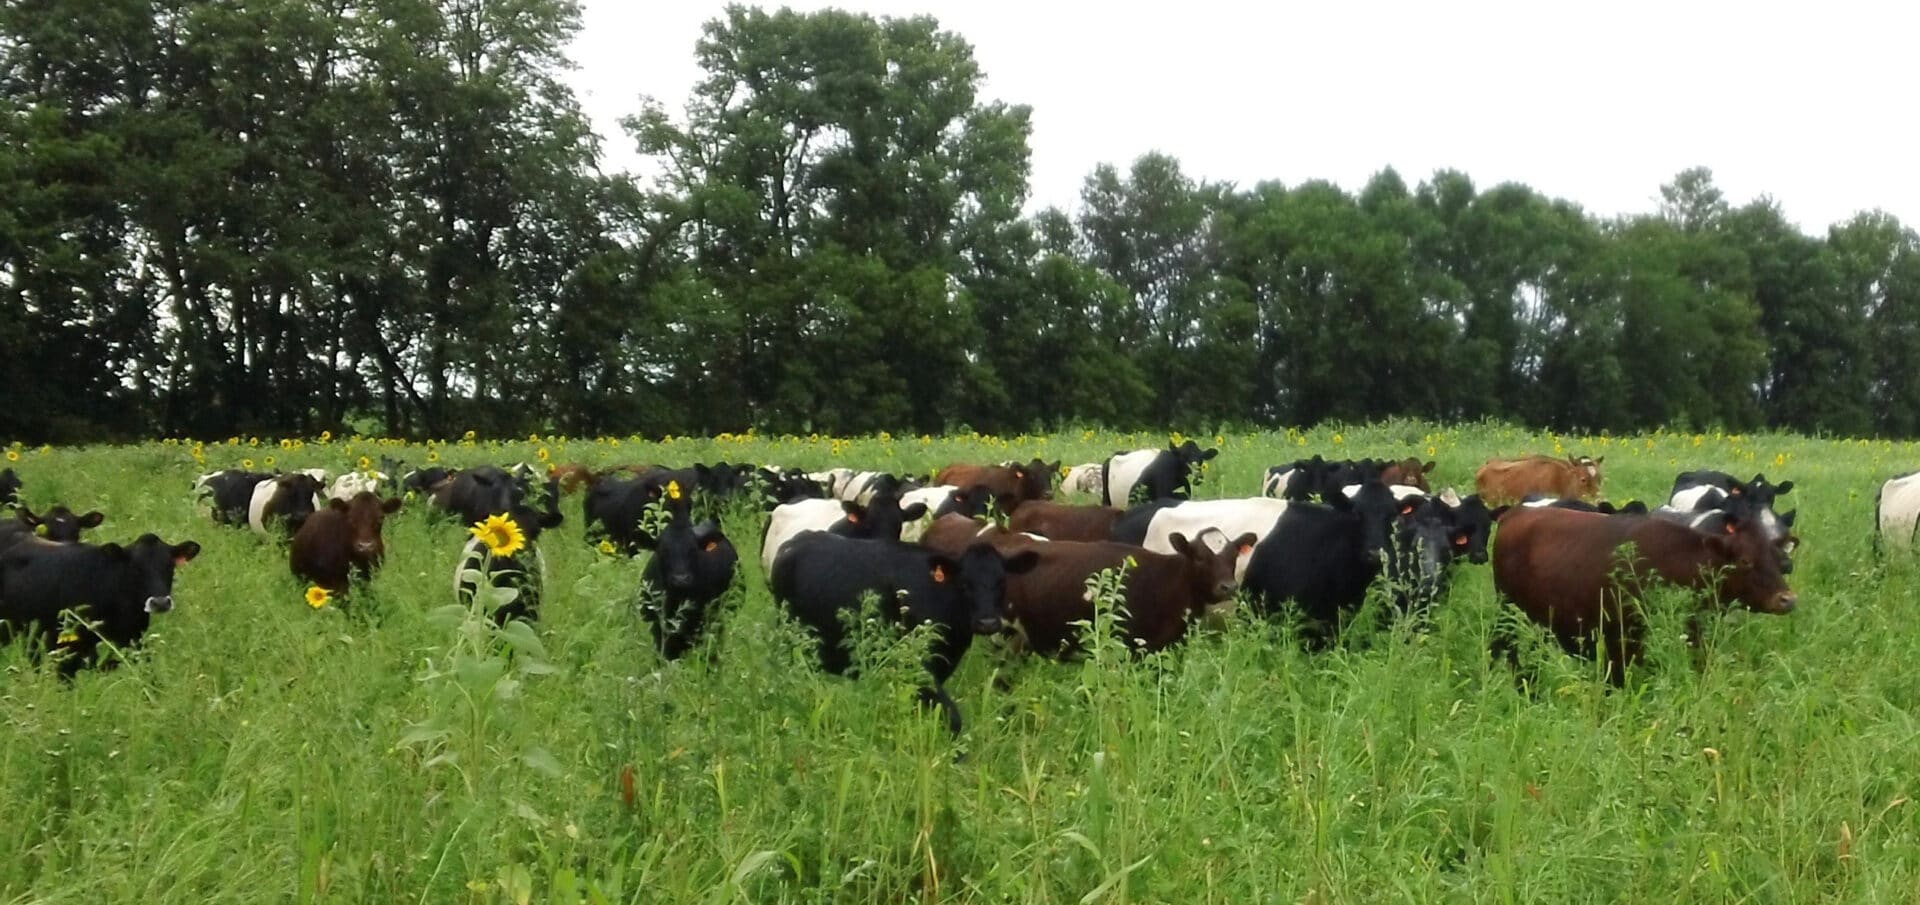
[[1813, 103]]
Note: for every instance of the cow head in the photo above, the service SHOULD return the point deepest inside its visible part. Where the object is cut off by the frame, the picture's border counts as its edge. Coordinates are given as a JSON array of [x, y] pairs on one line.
[[1752, 561], [59, 524], [1409, 472], [1211, 572], [981, 576], [366, 513], [296, 495], [151, 563], [1376, 508], [881, 518], [1036, 479], [693, 559], [1586, 474], [1425, 536], [971, 502], [1472, 529]]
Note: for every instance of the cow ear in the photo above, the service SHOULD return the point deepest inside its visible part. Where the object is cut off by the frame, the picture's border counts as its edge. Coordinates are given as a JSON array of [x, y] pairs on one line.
[[1023, 562], [1600, 460], [1428, 468], [1784, 488], [337, 505], [1244, 544], [92, 519], [1180, 544], [942, 570], [391, 505], [708, 530], [853, 511], [910, 513], [185, 552]]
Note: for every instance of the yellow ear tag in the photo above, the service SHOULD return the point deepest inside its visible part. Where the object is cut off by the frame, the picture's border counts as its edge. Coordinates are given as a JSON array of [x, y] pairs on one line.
[[939, 574]]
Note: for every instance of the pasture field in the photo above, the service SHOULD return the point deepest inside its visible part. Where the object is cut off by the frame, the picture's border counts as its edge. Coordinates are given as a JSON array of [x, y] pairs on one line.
[[263, 751]]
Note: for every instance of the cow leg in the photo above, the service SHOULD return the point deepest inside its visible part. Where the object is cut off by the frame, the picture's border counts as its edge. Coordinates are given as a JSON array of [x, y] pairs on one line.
[[938, 695]]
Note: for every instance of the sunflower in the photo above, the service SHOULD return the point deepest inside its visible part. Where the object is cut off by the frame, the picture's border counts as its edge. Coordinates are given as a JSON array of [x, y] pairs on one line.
[[606, 546], [318, 596], [673, 490], [366, 464], [544, 455], [13, 455], [501, 535], [433, 455], [246, 464], [68, 637]]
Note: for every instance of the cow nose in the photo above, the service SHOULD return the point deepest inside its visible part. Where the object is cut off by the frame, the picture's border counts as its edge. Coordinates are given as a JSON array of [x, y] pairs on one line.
[[989, 625], [680, 579], [366, 546], [1225, 589], [159, 604], [1785, 602]]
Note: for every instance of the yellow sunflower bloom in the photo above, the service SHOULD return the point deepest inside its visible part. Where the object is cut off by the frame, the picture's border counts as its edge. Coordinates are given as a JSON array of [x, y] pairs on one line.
[[673, 490], [268, 461], [544, 455], [13, 455], [326, 436], [606, 546], [318, 596], [366, 464], [246, 464], [501, 535], [433, 455], [68, 637]]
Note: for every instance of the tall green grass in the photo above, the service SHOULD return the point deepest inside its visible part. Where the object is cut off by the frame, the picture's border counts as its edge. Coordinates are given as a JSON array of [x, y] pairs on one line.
[[391, 751]]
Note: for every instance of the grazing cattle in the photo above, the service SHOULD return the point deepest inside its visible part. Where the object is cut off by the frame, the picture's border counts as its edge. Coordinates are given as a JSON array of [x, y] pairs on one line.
[[1255, 516], [1012, 484], [1575, 574], [819, 576], [1086, 478], [1777, 527], [1896, 511], [1059, 521], [1163, 591], [691, 567], [1321, 557], [883, 518], [861, 487], [285, 501], [971, 503], [1161, 473], [571, 478], [9, 488], [116, 590], [354, 483], [1408, 471], [58, 526], [523, 570], [230, 493], [1699, 491], [475, 493], [427, 480], [780, 485], [1474, 521], [616, 504], [341, 539], [1508, 481], [1306, 479]]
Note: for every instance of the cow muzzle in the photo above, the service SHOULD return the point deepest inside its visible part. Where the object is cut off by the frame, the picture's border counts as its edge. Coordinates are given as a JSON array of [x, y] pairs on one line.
[[159, 604], [1784, 603], [990, 625], [366, 548]]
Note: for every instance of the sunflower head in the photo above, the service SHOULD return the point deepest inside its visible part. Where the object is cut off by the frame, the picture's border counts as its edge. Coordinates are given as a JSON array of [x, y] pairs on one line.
[[606, 546], [673, 490], [13, 455], [501, 535], [318, 596]]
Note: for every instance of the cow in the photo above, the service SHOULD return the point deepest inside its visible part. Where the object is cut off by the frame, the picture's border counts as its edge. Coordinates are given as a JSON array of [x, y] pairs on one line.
[[1086, 478], [354, 483], [616, 504], [1508, 481], [340, 540], [1012, 484], [115, 590], [1896, 511], [524, 570], [572, 478], [883, 518], [1059, 521], [1163, 473], [1320, 558], [1578, 573], [1778, 527], [229, 493], [691, 567], [9, 488], [1538, 501], [1700, 491], [1255, 516], [58, 526], [427, 480], [861, 486], [1306, 479], [284, 503], [475, 493], [1131, 526], [1474, 521], [1409, 471], [939, 501], [819, 576]]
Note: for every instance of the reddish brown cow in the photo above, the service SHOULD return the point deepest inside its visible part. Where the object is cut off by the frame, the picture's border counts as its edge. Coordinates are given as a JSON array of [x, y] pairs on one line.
[[1566, 570], [1408, 472], [571, 477], [1012, 485], [341, 539], [1164, 591], [1506, 481], [1059, 521]]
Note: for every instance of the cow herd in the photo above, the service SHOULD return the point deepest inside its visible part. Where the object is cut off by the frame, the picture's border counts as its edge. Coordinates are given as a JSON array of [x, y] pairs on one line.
[[984, 549]]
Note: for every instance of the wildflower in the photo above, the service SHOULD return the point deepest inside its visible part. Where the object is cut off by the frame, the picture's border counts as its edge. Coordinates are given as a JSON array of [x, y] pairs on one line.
[[673, 490], [326, 436], [285, 443], [606, 546], [233, 441], [69, 636], [366, 464], [468, 436], [1431, 451], [501, 535], [268, 461], [13, 455], [318, 596], [433, 455], [544, 455], [1779, 459], [246, 464], [1337, 439]]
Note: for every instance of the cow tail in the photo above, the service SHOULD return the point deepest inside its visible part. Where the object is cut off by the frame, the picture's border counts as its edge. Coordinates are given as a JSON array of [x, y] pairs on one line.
[[1106, 482]]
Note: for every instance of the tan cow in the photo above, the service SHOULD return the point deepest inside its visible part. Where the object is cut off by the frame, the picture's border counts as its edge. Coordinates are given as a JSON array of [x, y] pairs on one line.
[[1506, 481]]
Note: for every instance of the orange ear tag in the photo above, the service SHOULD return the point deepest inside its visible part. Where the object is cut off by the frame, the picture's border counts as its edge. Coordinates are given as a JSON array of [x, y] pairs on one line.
[[939, 574], [1460, 541], [712, 545], [1730, 528], [1246, 549], [853, 518]]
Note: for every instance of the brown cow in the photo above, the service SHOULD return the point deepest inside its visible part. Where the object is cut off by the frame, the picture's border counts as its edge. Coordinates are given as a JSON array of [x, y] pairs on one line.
[[1566, 570], [572, 477], [1059, 521], [1506, 481], [1408, 472], [1164, 591], [1012, 484], [340, 539]]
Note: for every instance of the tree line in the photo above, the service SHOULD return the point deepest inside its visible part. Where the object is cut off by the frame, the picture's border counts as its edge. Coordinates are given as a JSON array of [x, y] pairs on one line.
[[222, 216]]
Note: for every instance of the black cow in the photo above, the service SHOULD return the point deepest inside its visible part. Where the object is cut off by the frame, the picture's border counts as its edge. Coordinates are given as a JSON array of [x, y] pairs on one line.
[[780, 485], [1164, 473], [1321, 557], [426, 480], [1475, 523], [475, 493], [692, 566], [818, 576], [230, 493], [1703, 491], [115, 589], [9, 488], [59, 525], [524, 571], [287, 500], [615, 504]]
